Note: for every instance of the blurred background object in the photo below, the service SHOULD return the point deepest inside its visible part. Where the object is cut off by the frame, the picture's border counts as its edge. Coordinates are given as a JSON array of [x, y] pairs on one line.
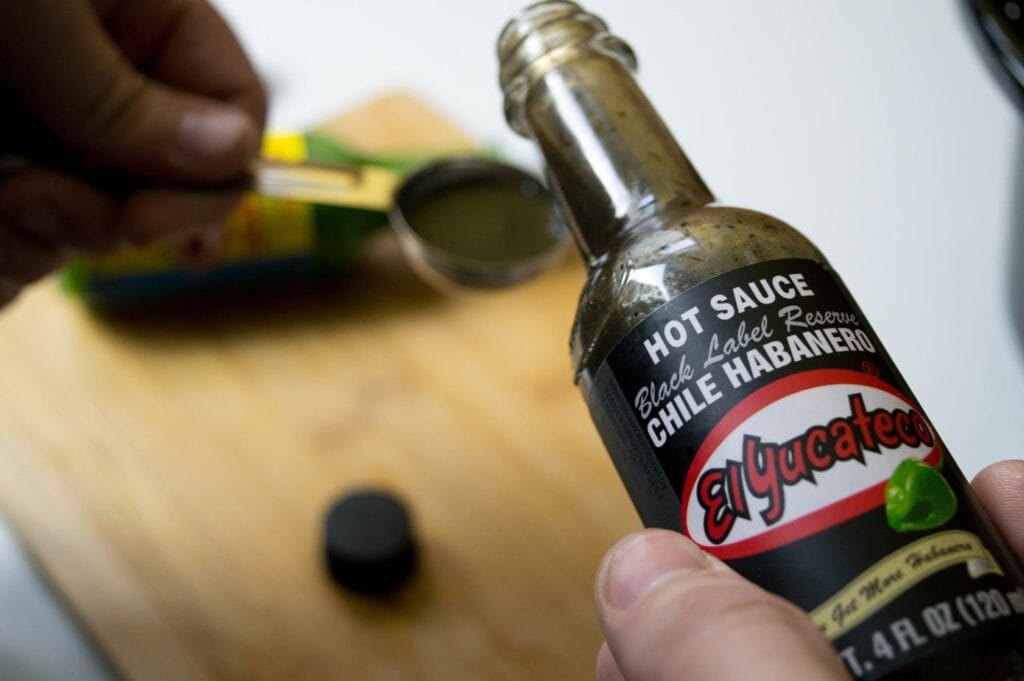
[[999, 27], [169, 472], [271, 241]]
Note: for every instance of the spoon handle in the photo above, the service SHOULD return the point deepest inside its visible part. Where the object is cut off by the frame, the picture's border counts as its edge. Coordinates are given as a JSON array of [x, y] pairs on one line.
[[356, 186]]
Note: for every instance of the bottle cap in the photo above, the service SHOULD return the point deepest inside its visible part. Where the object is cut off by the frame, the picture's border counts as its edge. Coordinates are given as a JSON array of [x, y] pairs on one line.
[[369, 544]]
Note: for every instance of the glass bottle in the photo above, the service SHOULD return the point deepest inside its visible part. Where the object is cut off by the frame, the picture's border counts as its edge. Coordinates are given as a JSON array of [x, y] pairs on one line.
[[740, 391]]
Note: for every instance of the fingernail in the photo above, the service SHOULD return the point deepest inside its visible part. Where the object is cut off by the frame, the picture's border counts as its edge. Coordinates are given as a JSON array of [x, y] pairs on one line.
[[41, 221], [638, 563], [212, 132]]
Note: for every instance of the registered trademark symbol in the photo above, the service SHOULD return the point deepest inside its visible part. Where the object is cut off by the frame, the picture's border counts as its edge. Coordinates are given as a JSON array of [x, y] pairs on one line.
[[869, 368]]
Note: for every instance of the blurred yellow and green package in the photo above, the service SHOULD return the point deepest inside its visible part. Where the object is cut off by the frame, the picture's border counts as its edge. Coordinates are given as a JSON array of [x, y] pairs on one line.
[[264, 241]]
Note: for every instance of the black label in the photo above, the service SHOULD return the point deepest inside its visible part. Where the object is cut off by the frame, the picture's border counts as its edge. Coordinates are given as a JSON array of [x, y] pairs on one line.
[[759, 414]]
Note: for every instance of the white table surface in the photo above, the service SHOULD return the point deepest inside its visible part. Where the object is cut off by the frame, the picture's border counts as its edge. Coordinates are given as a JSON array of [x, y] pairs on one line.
[[872, 126], [38, 641]]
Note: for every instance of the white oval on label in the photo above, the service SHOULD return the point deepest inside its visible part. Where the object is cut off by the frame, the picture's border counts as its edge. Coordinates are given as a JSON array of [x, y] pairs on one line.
[[768, 511]]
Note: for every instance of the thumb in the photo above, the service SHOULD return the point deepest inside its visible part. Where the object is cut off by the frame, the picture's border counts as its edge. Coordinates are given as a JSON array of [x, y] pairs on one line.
[[671, 613], [64, 64]]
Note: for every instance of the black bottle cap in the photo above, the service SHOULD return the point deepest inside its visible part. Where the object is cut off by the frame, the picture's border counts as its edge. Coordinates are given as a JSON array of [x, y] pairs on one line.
[[368, 542]]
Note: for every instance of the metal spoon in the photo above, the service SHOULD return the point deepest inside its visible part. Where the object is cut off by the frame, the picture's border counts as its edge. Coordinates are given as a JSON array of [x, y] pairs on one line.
[[504, 227]]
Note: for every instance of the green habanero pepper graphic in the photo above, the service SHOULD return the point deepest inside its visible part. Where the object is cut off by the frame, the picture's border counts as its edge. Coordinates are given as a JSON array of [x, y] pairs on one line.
[[917, 497]]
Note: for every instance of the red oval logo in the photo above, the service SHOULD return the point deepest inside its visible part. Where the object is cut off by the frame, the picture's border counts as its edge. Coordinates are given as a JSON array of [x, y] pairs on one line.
[[800, 455]]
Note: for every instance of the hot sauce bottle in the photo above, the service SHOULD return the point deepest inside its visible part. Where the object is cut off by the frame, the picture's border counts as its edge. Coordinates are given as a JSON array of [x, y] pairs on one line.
[[741, 392]]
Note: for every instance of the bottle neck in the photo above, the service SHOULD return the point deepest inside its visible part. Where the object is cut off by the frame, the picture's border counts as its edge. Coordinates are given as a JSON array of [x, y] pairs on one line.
[[610, 158]]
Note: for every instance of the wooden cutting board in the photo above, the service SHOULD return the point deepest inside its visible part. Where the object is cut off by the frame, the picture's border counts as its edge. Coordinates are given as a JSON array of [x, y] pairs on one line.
[[170, 472]]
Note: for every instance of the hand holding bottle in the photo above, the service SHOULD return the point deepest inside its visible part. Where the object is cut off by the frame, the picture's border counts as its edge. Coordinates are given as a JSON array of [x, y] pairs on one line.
[[672, 613]]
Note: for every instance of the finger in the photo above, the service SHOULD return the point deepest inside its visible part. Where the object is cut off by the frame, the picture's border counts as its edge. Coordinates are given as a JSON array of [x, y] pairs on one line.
[[200, 55], [607, 667], [1000, 488], [63, 212], [670, 613], [151, 215], [93, 99], [59, 210]]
